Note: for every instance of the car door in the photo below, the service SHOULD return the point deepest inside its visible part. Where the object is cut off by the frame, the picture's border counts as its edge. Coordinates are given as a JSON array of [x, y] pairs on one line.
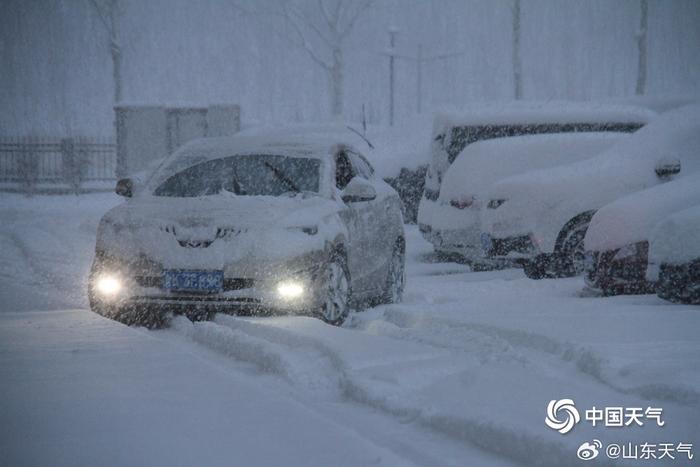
[[355, 215], [377, 222]]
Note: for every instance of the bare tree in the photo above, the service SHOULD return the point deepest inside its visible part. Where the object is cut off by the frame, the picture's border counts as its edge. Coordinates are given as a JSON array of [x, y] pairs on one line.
[[642, 47], [321, 31], [107, 12], [517, 63]]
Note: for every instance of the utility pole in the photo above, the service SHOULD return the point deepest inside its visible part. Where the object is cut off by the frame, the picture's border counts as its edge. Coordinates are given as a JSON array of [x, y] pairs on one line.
[[392, 56], [420, 59]]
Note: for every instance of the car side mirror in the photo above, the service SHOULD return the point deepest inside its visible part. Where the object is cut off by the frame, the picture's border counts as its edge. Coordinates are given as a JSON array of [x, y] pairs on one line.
[[125, 188], [667, 168], [358, 189]]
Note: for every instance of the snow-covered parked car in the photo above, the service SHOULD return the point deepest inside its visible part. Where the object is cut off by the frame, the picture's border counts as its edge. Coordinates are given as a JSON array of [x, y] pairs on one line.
[[674, 257], [452, 133], [617, 241], [251, 225], [456, 218], [546, 213]]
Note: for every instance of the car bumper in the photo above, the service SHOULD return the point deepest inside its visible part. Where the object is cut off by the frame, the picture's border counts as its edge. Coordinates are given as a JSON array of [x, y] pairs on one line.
[[605, 274], [257, 294], [679, 283], [463, 242], [516, 248]]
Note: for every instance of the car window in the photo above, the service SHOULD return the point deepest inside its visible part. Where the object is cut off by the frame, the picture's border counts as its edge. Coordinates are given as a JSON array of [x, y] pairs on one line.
[[461, 136], [344, 170], [251, 175], [363, 167]]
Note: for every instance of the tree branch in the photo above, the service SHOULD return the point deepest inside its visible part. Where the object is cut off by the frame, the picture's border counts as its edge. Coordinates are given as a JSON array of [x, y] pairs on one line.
[[353, 18], [304, 43]]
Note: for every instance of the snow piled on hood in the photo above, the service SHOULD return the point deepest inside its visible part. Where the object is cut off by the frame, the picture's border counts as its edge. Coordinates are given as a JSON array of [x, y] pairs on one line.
[[623, 168], [631, 219], [482, 163], [676, 239]]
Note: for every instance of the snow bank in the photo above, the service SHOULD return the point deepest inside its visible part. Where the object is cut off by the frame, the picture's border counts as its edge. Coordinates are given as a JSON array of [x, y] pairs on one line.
[[82, 390]]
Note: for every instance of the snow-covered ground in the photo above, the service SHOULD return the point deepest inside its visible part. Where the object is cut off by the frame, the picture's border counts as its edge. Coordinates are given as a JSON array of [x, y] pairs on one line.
[[459, 374]]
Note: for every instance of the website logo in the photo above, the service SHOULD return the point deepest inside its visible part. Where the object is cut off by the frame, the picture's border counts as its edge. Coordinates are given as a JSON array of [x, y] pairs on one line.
[[562, 415], [588, 451]]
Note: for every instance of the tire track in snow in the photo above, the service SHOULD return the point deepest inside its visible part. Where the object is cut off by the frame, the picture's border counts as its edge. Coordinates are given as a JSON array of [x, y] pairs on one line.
[[584, 360], [282, 352]]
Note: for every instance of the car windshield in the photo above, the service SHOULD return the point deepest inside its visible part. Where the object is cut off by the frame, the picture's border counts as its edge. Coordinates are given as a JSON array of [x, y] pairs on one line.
[[251, 175]]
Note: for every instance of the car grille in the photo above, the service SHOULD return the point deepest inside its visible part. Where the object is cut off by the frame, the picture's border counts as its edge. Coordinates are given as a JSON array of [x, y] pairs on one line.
[[503, 246]]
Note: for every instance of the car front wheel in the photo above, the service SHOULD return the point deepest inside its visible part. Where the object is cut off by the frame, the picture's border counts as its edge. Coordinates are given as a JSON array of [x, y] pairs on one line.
[[336, 297], [396, 275]]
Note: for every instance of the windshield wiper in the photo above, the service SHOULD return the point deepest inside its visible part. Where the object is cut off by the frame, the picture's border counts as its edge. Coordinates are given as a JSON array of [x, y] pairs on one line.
[[281, 176]]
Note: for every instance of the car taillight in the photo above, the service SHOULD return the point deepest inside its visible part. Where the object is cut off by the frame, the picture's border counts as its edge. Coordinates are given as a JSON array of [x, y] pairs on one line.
[[495, 203], [462, 203]]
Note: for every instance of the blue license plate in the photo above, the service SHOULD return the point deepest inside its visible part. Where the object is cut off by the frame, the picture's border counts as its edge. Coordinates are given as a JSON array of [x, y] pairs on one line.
[[193, 281], [485, 241]]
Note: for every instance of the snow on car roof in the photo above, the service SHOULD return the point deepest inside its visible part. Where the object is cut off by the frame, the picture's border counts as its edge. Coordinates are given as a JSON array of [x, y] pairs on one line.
[[482, 163], [658, 104], [544, 112], [631, 219], [674, 135], [289, 144]]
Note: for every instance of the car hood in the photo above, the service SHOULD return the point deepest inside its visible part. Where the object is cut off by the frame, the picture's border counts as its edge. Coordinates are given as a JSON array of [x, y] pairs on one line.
[[210, 232]]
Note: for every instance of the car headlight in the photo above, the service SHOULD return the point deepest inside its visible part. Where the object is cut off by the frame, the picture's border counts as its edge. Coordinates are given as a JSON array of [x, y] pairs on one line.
[[463, 202], [108, 285], [290, 290], [496, 203]]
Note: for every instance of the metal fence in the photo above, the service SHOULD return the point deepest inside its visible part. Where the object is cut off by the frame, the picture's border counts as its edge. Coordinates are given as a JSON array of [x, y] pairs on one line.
[[69, 164]]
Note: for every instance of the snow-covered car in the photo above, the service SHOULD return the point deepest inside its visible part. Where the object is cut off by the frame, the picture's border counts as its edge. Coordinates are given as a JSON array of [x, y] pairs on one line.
[[617, 240], [452, 133], [674, 257], [456, 218], [546, 213], [251, 225]]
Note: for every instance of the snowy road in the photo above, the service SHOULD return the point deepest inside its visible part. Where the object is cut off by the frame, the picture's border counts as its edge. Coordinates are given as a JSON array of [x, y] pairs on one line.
[[458, 374]]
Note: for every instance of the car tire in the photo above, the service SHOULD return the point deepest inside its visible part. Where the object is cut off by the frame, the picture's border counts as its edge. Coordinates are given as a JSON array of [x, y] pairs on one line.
[[336, 294], [536, 268], [572, 252], [396, 274]]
